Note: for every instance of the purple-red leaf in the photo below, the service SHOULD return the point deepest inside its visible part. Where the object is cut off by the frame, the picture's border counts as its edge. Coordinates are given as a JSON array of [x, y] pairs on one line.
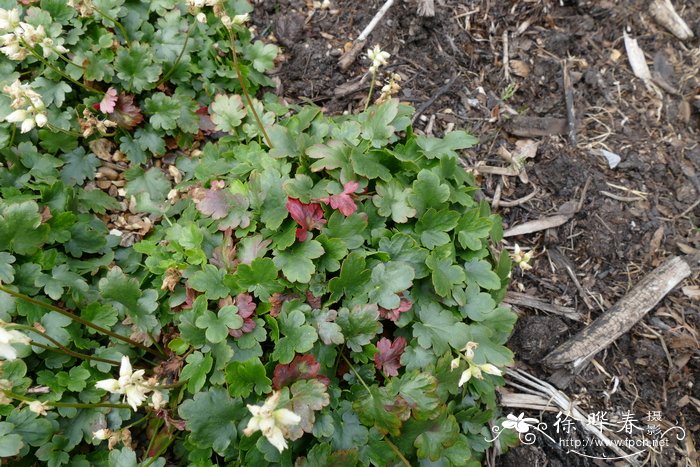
[[126, 114], [246, 308], [344, 201], [394, 314], [302, 367], [308, 216], [214, 202], [387, 358]]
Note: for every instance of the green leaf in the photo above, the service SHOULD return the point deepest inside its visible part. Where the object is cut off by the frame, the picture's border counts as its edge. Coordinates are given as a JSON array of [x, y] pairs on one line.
[[330, 156], [447, 145], [348, 229], [99, 314], [135, 67], [10, 442], [387, 281], [419, 390], [391, 201], [369, 165], [299, 337], [209, 280], [7, 272], [359, 325], [352, 279], [380, 411], [244, 377], [428, 192], [262, 55], [480, 272], [196, 370], [296, 262], [445, 275], [472, 229], [439, 329], [376, 122], [97, 201], [218, 325], [21, 229], [52, 92], [227, 112], [328, 330], [211, 418], [74, 380], [307, 397], [489, 349], [61, 277], [260, 278], [126, 293], [152, 182], [78, 167], [164, 110], [433, 226], [436, 436], [124, 457]]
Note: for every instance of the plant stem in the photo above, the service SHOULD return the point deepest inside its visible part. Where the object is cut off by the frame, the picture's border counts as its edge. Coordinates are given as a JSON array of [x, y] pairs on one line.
[[245, 90], [356, 373], [61, 130], [77, 405], [62, 348], [161, 450], [116, 23], [371, 89], [55, 69], [77, 318], [179, 57], [397, 452], [159, 423]]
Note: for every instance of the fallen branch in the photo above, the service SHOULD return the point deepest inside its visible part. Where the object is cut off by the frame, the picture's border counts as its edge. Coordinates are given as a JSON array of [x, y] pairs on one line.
[[569, 100], [349, 57], [537, 225], [441, 90], [528, 301], [579, 350]]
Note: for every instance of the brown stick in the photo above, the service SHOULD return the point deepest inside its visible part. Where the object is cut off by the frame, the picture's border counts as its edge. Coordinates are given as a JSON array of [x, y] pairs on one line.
[[569, 99], [579, 350]]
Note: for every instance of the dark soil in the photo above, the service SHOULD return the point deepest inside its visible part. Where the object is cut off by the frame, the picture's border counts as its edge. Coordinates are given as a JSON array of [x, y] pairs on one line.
[[621, 233]]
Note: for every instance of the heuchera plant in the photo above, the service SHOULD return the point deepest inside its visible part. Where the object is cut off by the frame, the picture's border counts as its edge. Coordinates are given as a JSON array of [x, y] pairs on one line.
[[264, 284]]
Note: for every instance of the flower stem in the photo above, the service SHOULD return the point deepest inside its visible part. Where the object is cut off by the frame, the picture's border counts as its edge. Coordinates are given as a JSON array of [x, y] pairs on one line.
[[62, 348], [55, 69], [116, 23], [397, 452], [356, 373], [244, 88], [77, 405], [371, 89], [179, 57], [77, 318]]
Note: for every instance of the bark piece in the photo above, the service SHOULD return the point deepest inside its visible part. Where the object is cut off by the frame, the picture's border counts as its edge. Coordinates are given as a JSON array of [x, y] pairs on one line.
[[579, 350], [537, 126]]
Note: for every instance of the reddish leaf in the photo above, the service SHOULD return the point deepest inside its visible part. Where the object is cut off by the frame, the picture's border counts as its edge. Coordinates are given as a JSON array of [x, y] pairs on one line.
[[393, 315], [308, 216], [246, 308], [214, 202], [108, 101], [313, 301], [277, 300], [302, 367], [388, 355], [344, 201], [126, 114]]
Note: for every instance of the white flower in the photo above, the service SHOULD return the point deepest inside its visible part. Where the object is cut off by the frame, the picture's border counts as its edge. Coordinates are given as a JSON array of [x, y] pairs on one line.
[[7, 338], [102, 434], [157, 400], [466, 376], [241, 19], [490, 369], [38, 407], [378, 57], [9, 19], [469, 349], [130, 384], [29, 108], [454, 364], [271, 421], [227, 21], [202, 18], [519, 423], [521, 259]]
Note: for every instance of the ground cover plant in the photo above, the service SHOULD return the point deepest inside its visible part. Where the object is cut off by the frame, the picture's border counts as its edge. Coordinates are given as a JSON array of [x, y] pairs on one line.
[[260, 283]]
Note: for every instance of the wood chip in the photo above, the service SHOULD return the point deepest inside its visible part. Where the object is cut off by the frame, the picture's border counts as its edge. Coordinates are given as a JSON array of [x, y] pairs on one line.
[[665, 14], [536, 126], [537, 225], [579, 350]]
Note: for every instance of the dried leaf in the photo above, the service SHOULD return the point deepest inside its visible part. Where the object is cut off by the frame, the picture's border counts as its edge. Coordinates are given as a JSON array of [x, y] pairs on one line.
[[302, 367]]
